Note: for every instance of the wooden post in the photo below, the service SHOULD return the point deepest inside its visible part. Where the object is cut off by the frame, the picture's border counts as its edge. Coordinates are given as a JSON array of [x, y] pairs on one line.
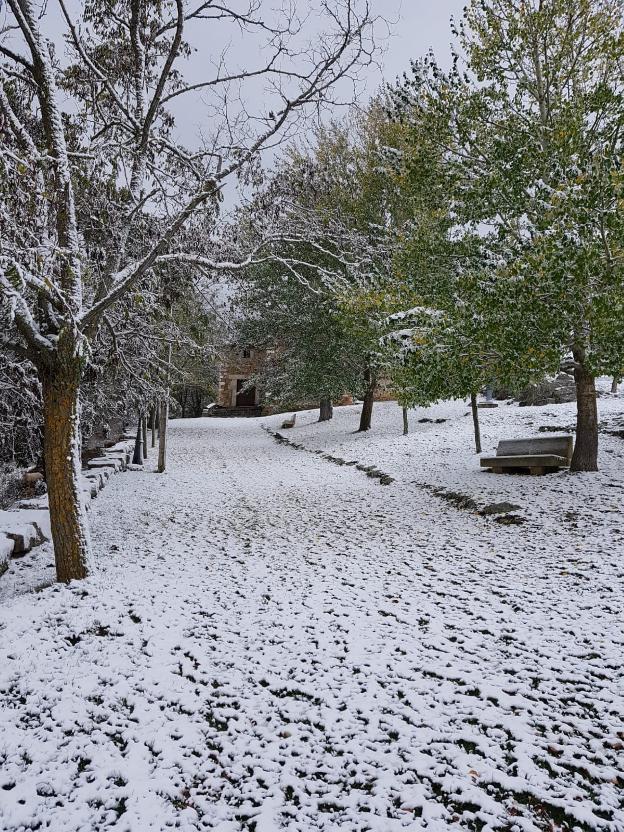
[[163, 418], [137, 458], [144, 432], [475, 421]]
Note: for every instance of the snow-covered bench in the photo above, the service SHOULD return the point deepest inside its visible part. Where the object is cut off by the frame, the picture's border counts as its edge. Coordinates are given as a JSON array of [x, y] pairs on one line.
[[537, 455], [289, 423]]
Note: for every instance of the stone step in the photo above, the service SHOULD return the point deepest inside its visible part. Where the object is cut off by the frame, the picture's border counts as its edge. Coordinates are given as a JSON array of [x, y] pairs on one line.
[[232, 412]]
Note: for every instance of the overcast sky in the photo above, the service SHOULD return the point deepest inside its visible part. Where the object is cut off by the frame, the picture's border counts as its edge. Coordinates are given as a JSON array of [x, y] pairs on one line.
[[415, 27], [423, 25]]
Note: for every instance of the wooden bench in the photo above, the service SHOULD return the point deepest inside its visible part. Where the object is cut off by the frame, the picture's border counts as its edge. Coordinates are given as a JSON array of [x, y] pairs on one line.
[[289, 423], [538, 455]]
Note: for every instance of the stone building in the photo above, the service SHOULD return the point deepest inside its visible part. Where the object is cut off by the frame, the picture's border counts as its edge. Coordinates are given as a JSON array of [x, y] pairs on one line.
[[236, 396]]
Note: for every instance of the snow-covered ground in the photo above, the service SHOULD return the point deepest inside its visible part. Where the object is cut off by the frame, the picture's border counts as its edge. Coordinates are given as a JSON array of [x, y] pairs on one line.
[[276, 642]]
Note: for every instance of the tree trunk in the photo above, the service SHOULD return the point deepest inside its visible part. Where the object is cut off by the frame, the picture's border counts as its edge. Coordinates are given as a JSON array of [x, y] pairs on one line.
[[144, 432], [585, 457], [326, 410], [163, 417], [153, 424], [137, 458], [405, 422], [369, 397], [62, 446], [475, 421], [615, 384]]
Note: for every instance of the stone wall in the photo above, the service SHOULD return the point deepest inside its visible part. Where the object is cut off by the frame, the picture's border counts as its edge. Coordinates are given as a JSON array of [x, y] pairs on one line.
[[237, 365], [26, 524], [550, 391]]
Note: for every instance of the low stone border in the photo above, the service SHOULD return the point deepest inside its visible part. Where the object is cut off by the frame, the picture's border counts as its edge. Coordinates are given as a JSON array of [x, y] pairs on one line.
[[370, 470], [26, 524], [503, 513]]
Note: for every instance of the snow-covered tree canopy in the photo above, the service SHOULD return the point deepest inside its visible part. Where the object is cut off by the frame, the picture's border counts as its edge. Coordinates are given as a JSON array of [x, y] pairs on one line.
[[322, 298], [527, 131], [104, 112], [92, 115]]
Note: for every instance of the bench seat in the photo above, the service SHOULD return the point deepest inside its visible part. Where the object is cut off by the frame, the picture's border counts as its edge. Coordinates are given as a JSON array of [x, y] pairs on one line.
[[531, 461], [538, 455]]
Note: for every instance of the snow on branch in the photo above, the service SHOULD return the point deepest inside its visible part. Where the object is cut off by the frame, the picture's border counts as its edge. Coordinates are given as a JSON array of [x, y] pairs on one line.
[[11, 292], [122, 153]]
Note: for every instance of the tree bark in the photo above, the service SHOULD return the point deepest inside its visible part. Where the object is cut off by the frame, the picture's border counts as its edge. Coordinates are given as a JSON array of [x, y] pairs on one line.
[[153, 424], [62, 446], [144, 432], [137, 458], [615, 384], [326, 410], [405, 422], [585, 457], [369, 398], [475, 421]]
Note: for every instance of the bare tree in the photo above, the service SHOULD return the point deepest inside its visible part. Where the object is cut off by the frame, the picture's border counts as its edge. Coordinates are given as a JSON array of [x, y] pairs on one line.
[[108, 116]]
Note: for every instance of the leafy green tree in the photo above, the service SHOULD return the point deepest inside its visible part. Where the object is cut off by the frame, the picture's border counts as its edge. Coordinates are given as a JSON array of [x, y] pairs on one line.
[[311, 353], [325, 302], [438, 345], [344, 182], [529, 133]]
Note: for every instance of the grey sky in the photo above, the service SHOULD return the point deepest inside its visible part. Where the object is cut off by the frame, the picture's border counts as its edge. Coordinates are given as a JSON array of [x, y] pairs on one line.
[[416, 27], [423, 25]]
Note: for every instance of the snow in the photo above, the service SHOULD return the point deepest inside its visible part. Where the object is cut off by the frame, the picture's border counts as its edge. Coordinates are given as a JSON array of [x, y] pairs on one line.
[[29, 525], [23, 521], [30, 519], [275, 642], [7, 545]]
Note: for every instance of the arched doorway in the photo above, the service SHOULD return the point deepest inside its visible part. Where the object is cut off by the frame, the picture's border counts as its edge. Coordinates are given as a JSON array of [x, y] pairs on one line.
[[245, 397]]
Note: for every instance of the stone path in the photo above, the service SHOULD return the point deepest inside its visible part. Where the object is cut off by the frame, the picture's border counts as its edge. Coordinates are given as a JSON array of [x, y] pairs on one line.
[[274, 642]]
